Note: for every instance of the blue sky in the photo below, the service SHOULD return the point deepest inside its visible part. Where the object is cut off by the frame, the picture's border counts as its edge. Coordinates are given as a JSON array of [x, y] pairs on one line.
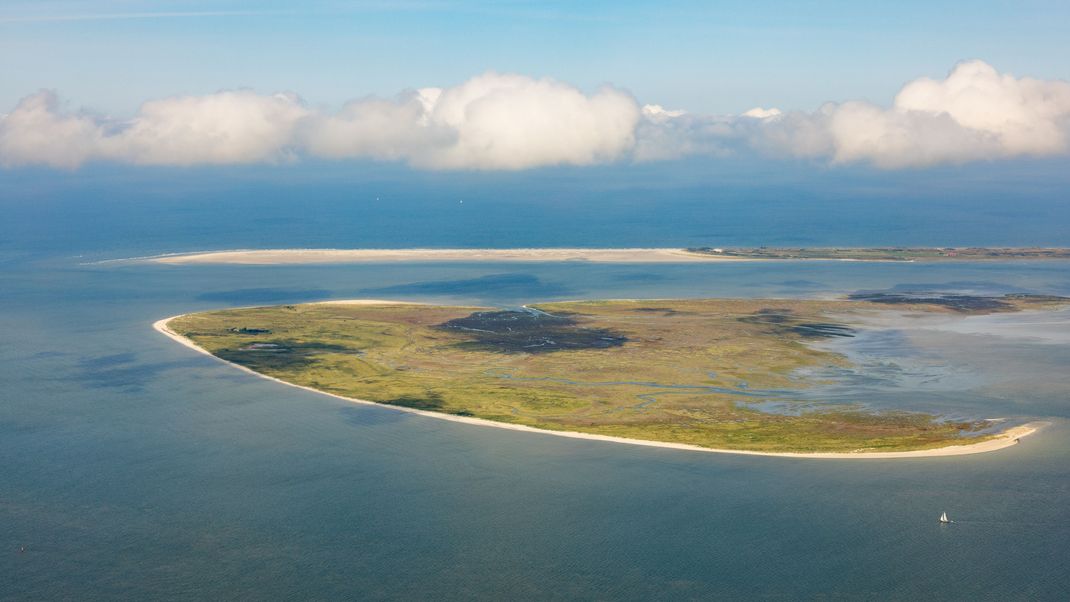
[[467, 85], [709, 57]]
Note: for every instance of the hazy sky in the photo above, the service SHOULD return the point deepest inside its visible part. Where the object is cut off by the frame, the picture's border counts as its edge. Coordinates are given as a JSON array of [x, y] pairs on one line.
[[513, 85], [708, 57]]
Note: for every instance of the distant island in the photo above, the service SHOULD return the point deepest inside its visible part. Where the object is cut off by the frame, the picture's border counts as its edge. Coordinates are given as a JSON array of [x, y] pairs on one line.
[[607, 255], [887, 253], [715, 374]]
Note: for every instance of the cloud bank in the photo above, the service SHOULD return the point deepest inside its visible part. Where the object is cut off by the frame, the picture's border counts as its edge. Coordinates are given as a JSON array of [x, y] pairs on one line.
[[489, 122], [975, 113], [509, 122]]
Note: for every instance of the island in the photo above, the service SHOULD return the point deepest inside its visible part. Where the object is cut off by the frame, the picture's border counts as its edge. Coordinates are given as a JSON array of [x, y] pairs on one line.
[[710, 374], [888, 253], [603, 255]]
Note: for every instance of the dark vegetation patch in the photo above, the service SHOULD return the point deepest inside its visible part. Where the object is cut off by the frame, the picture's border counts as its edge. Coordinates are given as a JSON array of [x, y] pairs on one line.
[[956, 302], [529, 332], [771, 315], [431, 400], [822, 330], [784, 321], [280, 354], [665, 311], [249, 330], [1030, 298]]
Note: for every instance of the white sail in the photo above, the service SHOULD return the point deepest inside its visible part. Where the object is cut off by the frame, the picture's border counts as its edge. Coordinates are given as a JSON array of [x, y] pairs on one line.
[[943, 517]]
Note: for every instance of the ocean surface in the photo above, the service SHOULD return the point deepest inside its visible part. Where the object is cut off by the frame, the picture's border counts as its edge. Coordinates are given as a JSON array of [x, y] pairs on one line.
[[132, 467]]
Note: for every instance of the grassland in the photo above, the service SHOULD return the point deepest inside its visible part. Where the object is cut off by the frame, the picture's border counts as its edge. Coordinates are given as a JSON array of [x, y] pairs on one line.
[[889, 253], [671, 371]]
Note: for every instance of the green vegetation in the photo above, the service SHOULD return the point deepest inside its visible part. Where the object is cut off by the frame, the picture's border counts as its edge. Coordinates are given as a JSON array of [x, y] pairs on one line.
[[890, 253], [677, 371]]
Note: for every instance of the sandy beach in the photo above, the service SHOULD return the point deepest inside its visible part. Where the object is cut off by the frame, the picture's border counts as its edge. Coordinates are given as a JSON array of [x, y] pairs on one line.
[[303, 256], [1005, 439]]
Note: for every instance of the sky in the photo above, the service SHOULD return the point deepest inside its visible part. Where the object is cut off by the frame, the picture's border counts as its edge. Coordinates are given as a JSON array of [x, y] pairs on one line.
[[516, 85]]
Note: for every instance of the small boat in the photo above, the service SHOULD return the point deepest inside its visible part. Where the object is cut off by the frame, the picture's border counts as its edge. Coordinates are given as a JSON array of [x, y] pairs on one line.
[[944, 518]]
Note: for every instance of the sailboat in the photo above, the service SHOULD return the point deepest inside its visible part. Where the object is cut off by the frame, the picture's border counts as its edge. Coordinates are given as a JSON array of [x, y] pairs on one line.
[[944, 518]]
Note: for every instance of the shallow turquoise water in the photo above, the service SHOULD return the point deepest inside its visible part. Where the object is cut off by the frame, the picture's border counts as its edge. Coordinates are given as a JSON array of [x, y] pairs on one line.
[[133, 467]]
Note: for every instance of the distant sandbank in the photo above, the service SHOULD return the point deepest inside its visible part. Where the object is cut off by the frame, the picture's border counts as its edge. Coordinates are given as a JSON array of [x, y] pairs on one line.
[[302, 256], [604, 255], [1004, 439]]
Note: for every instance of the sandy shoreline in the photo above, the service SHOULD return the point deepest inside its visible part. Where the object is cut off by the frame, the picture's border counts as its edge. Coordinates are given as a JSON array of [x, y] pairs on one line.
[[1007, 438], [304, 256]]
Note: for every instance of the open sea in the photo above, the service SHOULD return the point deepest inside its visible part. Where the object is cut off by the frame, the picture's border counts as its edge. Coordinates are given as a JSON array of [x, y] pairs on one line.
[[134, 468]]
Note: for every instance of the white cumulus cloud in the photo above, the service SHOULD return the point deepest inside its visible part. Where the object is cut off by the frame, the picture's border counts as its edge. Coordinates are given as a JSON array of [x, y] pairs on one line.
[[761, 113], [507, 122], [375, 129], [975, 113], [492, 121], [659, 113], [223, 128], [515, 122], [1026, 116], [37, 132]]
